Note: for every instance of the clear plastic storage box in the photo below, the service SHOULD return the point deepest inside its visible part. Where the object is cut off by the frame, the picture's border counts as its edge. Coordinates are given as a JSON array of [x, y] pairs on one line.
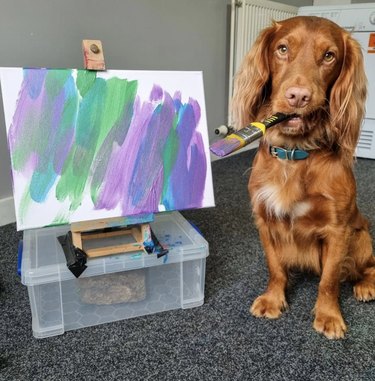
[[112, 287]]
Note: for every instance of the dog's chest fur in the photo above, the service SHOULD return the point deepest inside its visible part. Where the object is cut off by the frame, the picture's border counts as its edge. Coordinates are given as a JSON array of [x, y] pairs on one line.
[[272, 196], [283, 202], [281, 191]]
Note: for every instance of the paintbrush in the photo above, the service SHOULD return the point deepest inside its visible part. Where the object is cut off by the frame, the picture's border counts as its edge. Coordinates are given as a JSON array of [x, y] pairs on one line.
[[245, 136]]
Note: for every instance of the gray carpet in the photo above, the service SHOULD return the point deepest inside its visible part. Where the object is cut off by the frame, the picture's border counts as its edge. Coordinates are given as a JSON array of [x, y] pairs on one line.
[[218, 341]]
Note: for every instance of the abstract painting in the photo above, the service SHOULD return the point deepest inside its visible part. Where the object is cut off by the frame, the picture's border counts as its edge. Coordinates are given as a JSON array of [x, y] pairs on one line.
[[87, 145]]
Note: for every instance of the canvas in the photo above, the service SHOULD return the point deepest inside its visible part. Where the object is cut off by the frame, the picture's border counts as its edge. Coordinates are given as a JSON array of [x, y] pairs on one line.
[[88, 145]]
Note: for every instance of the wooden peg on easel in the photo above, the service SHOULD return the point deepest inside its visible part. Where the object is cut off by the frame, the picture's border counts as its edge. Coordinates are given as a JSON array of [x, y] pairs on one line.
[[93, 56]]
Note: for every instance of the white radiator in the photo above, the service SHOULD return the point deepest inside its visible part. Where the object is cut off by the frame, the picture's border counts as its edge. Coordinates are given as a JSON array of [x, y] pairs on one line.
[[248, 18]]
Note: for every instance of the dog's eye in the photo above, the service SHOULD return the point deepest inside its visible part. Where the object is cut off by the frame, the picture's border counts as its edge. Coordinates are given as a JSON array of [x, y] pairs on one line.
[[282, 49], [329, 56]]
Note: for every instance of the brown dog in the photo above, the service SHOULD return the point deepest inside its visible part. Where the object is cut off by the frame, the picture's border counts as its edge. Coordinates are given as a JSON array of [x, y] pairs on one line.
[[302, 186]]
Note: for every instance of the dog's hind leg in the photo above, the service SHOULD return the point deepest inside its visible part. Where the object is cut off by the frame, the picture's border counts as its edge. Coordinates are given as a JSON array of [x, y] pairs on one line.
[[328, 317], [364, 289]]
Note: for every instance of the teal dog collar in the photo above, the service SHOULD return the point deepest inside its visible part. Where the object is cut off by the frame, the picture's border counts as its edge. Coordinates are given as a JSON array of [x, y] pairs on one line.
[[288, 154]]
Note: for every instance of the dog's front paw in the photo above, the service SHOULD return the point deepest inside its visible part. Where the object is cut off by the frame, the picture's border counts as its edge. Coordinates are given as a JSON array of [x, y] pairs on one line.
[[268, 306], [330, 325], [364, 291]]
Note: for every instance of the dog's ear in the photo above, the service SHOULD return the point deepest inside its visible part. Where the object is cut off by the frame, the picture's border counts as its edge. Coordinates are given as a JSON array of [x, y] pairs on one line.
[[347, 99], [252, 80]]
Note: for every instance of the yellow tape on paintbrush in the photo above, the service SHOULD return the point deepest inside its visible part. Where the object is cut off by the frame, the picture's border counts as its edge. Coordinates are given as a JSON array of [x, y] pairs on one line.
[[245, 136]]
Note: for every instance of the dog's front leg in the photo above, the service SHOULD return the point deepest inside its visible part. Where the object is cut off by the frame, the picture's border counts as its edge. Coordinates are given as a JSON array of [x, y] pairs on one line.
[[272, 303], [328, 317]]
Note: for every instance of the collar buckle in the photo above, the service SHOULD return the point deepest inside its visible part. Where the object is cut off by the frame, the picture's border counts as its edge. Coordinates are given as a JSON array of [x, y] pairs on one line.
[[274, 152], [288, 154]]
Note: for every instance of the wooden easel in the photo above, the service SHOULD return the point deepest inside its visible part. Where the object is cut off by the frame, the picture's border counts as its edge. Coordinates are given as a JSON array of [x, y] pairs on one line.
[[93, 59], [93, 56], [73, 243], [106, 229]]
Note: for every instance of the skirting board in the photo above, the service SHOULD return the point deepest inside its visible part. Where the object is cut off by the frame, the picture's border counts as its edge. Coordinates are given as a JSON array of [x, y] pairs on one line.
[[7, 212]]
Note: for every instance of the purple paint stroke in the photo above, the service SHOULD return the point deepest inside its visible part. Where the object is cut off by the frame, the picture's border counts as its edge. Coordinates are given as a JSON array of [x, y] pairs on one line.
[[197, 115], [177, 96], [156, 94], [134, 174], [57, 141], [117, 136], [31, 163], [152, 195], [177, 101], [53, 108], [49, 136], [67, 130], [197, 170], [63, 149], [21, 139], [121, 164], [34, 81], [147, 178], [57, 110], [189, 172]]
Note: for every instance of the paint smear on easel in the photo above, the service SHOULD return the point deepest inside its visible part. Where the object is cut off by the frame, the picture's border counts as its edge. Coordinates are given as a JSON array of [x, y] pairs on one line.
[[75, 136]]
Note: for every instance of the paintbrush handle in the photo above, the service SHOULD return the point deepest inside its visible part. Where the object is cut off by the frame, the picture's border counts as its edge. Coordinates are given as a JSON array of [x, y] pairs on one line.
[[246, 135], [250, 133], [276, 118]]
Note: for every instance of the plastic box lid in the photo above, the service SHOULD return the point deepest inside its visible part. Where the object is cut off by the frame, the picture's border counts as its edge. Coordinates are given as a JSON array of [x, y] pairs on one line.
[[43, 259]]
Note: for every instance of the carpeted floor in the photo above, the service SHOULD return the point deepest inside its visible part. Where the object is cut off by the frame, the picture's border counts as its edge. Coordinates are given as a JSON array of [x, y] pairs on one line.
[[218, 341]]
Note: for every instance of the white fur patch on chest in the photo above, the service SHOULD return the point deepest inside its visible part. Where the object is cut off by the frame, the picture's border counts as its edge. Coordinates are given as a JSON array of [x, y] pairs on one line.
[[279, 204]]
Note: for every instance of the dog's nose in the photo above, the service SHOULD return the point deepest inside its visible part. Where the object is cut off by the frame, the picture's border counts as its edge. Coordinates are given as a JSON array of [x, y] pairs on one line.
[[298, 96]]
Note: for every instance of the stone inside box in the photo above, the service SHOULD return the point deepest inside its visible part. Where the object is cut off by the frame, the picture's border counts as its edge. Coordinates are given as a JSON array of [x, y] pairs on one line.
[[126, 286]]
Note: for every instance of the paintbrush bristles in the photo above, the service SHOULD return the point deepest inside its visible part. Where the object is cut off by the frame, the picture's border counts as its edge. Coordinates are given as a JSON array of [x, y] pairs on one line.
[[238, 139], [225, 146]]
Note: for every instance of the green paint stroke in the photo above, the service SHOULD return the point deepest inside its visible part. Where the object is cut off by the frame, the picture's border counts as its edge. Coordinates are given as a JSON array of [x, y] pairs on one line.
[[169, 155], [85, 80], [33, 140], [60, 219], [26, 143], [100, 110], [24, 205], [118, 115], [41, 130], [55, 81]]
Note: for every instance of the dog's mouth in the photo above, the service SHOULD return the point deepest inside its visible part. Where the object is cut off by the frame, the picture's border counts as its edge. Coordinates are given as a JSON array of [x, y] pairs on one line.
[[293, 126]]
